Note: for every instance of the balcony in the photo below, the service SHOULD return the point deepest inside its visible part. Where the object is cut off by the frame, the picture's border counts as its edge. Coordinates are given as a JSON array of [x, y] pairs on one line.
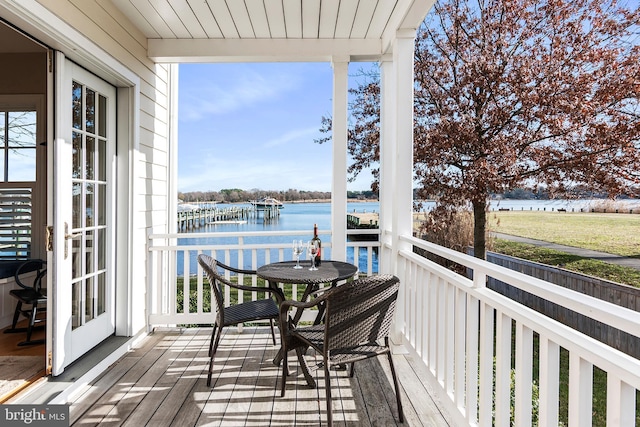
[[163, 382], [483, 358]]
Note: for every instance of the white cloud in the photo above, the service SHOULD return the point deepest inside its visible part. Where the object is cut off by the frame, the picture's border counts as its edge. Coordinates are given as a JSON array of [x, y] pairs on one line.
[[292, 136], [213, 94]]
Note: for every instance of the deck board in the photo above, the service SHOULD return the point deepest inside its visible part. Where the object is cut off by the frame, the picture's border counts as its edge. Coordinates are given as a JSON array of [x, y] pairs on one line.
[[163, 383]]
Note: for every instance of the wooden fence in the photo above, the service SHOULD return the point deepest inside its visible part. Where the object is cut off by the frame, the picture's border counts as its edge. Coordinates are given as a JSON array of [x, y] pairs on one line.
[[623, 295]]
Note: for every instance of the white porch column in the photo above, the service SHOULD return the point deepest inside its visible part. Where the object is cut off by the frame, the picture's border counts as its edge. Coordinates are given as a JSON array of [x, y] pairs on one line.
[[339, 183], [402, 213], [402, 222], [387, 160]]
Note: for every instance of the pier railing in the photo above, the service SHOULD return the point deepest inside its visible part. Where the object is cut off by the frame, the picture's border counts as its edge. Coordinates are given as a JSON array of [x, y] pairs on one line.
[[175, 273]]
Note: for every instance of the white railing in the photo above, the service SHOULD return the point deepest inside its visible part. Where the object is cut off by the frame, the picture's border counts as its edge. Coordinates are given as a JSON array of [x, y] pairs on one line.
[[473, 339], [482, 351], [174, 271]]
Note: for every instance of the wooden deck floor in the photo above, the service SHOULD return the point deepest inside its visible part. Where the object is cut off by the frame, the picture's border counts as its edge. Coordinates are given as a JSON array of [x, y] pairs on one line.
[[163, 383]]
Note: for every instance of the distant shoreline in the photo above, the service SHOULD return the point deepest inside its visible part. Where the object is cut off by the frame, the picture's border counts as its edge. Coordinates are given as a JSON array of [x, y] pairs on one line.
[[329, 201], [309, 201]]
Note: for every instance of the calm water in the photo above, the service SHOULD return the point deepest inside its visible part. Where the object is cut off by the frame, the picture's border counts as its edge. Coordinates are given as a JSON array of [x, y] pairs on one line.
[[302, 216], [293, 217]]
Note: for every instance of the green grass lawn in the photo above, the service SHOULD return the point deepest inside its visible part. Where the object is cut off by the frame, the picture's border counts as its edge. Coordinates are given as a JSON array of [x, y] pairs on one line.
[[591, 267], [612, 233], [617, 234]]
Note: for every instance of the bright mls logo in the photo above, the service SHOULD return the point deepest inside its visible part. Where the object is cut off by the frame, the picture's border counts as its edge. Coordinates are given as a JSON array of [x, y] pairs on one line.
[[34, 415]]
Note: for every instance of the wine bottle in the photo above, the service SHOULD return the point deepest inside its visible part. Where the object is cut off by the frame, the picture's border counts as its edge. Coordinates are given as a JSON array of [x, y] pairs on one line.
[[317, 239]]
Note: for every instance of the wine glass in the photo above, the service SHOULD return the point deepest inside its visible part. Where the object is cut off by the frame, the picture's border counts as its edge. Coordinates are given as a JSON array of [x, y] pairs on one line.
[[298, 248], [312, 250]]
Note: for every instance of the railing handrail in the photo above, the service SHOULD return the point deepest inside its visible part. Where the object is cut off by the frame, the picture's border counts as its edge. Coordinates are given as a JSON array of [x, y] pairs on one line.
[[612, 314]]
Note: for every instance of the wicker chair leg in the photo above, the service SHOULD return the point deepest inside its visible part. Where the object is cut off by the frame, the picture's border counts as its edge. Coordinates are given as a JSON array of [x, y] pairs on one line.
[[353, 369], [273, 331], [396, 385], [213, 337], [327, 389], [213, 355], [285, 371]]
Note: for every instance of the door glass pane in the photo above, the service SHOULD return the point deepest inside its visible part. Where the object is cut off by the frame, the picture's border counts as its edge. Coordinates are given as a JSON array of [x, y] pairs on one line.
[[75, 304], [101, 200], [89, 300], [101, 245], [76, 101], [91, 111], [102, 160], [76, 260], [76, 150], [89, 254], [100, 303], [89, 207], [77, 215], [102, 117], [90, 152]]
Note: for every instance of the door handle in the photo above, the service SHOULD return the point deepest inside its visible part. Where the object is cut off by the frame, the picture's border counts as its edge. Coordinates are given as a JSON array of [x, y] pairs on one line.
[[68, 236]]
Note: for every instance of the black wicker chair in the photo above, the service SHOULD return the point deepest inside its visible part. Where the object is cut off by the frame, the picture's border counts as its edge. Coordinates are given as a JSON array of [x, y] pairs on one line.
[[260, 309], [358, 316], [32, 299]]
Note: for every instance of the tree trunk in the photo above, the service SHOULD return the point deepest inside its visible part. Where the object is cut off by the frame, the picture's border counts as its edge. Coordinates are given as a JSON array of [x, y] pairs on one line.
[[479, 229]]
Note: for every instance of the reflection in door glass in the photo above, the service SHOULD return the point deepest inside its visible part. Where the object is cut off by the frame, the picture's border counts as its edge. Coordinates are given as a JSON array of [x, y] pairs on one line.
[[89, 162], [89, 253], [102, 249], [102, 199], [89, 206], [101, 293], [76, 105], [89, 300], [102, 114], [76, 148], [75, 305], [91, 111], [77, 205]]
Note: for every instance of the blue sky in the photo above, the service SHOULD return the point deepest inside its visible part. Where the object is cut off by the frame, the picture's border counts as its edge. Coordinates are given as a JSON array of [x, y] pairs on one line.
[[252, 126]]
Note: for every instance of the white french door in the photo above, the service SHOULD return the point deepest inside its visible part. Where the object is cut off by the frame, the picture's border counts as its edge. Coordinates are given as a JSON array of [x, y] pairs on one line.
[[84, 213]]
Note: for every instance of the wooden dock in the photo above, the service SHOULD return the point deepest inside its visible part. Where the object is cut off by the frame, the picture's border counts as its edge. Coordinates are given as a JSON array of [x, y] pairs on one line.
[[362, 220], [196, 218], [213, 215]]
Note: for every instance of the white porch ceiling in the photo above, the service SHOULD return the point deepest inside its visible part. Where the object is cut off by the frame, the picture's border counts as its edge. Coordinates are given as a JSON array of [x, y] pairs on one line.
[[271, 30]]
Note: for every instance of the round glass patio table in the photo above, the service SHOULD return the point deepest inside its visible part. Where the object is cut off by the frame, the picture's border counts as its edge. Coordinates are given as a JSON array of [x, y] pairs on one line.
[[329, 271]]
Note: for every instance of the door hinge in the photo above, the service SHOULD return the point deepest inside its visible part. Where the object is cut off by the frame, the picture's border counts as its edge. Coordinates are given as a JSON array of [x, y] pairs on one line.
[[49, 241], [49, 369]]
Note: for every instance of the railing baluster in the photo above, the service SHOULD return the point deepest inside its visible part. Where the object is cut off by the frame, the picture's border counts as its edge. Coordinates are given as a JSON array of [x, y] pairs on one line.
[[580, 390], [549, 381], [503, 370], [621, 402], [486, 364], [524, 375]]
